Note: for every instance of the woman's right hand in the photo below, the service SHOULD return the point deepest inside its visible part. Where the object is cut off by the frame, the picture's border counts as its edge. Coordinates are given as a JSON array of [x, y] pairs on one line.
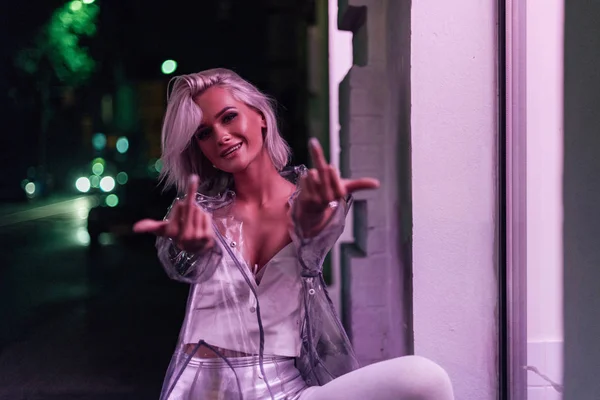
[[187, 224]]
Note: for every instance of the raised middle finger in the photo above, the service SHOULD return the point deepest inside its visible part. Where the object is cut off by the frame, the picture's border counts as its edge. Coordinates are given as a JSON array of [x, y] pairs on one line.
[[317, 156], [324, 188]]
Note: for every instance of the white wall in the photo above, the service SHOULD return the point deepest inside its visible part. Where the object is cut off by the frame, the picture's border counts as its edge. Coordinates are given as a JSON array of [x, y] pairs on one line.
[[454, 119], [544, 193]]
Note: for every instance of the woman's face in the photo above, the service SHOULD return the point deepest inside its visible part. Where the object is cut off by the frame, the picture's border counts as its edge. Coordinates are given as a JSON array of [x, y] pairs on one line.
[[230, 133]]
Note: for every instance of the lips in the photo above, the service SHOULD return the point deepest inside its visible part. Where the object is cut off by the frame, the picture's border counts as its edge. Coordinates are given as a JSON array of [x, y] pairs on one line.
[[230, 150]]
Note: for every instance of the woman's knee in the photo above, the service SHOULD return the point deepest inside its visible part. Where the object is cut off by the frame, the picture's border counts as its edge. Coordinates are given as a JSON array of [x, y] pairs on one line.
[[423, 379]]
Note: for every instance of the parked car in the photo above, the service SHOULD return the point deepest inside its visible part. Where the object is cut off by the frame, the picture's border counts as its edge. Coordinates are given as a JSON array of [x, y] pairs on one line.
[[138, 199]]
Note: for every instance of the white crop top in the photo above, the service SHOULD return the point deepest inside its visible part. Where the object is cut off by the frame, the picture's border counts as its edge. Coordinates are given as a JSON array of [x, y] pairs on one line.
[[221, 319]]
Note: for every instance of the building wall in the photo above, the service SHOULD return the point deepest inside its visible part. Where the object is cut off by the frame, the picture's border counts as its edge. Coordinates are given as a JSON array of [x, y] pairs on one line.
[[418, 111], [455, 192], [373, 113]]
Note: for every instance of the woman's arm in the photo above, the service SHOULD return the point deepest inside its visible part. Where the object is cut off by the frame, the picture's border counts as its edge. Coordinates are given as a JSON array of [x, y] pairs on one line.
[[319, 212], [315, 239], [188, 266]]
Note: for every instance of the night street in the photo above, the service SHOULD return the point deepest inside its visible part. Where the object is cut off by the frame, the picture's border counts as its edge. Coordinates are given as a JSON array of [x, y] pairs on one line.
[[77, 324]]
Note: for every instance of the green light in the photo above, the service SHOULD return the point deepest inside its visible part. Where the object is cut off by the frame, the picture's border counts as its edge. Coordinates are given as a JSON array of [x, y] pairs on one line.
[[82, 236], [95, 181], [98, 169], [99, 160], [122, 145], [158, 165], [88, 1], [168, 67], [83, 184], [76, 5], [122, 178], [99, 141], [30, 188], [152, 166], [107, 183], [112, 200]]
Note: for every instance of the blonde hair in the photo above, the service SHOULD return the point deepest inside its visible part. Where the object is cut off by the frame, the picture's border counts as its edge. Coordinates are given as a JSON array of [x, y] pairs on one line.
[[181, 158]]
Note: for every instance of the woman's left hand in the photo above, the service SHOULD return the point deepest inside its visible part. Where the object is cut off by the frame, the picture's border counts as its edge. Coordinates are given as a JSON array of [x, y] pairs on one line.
[[322, 185]]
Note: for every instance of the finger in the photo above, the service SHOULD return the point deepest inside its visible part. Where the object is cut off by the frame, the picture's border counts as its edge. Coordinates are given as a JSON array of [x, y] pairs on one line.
[[192, 189], [189, 224], [204, 221], [306, 192], [173, 221], [187, 208], [150, 226], [316, 154], [202, 230], [353, 185], [339, 190], [313, 182], [326, 187], [183, 214]]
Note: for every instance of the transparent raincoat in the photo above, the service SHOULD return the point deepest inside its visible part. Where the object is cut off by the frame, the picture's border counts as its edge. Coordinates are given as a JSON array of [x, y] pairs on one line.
[[324, 349]]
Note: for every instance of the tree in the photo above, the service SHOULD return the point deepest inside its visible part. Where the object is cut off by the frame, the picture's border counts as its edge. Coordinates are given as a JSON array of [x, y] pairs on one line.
[[57, 57]]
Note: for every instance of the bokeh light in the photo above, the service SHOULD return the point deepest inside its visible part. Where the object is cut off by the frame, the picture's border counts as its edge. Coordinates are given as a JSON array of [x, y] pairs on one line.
[[95, 181], [158, 165], [168, 67], [30, 188], [83, 184], [82, 236], [98, 169], [99, 141], [75, 5], [122, 178], [122, 145], [106, 239], [107, 183], [112, 200]]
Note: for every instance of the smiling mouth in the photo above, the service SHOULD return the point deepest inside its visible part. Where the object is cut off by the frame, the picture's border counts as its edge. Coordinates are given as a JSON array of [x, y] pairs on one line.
[[231, 150]]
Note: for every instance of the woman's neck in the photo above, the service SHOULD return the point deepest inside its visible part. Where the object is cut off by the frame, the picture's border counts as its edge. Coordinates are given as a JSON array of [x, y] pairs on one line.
[[260, 182]]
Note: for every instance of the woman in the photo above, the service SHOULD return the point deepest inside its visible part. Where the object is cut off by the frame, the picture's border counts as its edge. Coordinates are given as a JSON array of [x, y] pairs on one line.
[[250, 237]]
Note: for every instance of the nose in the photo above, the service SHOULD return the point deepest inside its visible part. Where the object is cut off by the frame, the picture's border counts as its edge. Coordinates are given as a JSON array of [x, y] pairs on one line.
[[223, 135]]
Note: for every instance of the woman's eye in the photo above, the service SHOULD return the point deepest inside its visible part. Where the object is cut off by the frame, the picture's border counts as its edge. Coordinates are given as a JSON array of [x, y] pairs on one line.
[[229, 117], [203, 134]]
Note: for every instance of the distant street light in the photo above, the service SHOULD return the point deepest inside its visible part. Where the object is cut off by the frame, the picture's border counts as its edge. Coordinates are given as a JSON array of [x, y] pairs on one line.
[[107, 183], [168, 67], [112, 200], [75, 5], [122, 145], [30, 188], [83, 184]]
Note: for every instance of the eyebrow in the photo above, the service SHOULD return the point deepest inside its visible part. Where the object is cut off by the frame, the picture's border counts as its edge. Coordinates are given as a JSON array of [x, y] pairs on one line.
[[217, 115]]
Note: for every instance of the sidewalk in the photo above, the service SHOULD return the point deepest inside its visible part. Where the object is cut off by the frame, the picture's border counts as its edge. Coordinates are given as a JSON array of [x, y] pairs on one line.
[[7, 208]]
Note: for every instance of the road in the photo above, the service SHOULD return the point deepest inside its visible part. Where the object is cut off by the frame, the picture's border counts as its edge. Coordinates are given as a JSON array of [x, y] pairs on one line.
[[77, 324]]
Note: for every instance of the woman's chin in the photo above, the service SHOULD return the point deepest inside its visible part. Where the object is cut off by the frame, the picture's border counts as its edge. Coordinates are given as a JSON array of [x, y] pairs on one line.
[[233, 166]]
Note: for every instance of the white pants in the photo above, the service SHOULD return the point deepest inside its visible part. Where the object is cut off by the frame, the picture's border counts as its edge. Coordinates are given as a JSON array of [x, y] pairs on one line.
[[402, 378]]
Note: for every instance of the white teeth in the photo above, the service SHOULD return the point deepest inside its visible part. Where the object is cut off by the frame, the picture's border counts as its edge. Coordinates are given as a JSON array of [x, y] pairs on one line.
[[233, 149]]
